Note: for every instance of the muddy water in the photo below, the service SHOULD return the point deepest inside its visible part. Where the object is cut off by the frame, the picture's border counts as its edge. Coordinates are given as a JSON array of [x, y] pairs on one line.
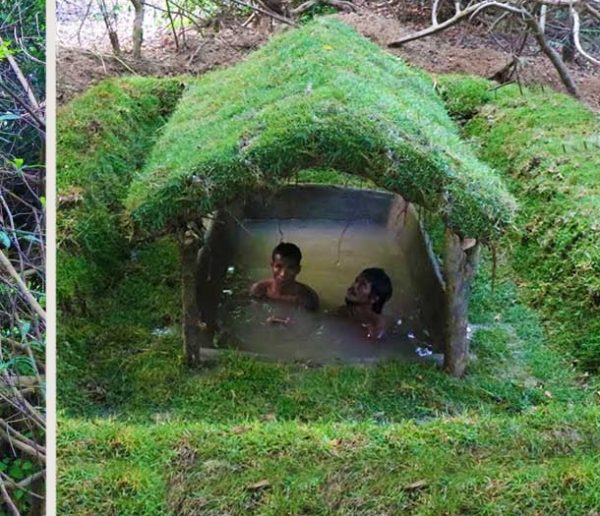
[[333, 254]]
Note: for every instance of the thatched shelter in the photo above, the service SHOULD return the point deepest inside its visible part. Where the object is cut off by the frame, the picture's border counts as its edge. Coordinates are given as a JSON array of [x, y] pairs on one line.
[[319, 97]]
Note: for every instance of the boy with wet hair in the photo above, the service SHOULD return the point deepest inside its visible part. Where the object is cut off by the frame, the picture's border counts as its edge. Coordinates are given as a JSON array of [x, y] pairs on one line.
[[283, 287], [365, 298]]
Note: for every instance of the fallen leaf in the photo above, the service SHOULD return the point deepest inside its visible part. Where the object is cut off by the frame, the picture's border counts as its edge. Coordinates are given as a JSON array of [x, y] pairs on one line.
[[419, 484], [263, 484], [467, 243]]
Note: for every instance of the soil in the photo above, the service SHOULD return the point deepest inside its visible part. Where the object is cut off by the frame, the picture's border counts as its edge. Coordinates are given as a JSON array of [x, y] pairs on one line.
[[462, 49], [79, 68]]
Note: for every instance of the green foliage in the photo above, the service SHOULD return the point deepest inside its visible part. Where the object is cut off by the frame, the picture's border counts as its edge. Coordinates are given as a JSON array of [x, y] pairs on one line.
[[463, 98], [18, 469], [317, 97], [5, 50], [103, 137], [22, 30], [319, 9], [22, 243], [547, 145]]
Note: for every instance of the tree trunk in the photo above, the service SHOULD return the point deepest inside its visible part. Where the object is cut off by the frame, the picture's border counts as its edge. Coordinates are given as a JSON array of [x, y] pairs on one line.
[[172, 25], [112, 34], [459, 266], [138, 28], [554, 57], [114, 42], [569, 51], [192, 331]]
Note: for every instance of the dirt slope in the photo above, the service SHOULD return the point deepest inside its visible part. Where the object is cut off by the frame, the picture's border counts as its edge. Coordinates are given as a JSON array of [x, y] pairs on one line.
[[465, 51]]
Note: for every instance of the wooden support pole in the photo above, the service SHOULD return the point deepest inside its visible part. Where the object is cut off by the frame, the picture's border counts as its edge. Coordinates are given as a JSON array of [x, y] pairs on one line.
[[460, 260], [191, 243]]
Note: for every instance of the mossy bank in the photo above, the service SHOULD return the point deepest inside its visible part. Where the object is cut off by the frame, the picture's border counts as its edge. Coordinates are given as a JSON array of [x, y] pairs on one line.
[[548, 147], [141, 434]]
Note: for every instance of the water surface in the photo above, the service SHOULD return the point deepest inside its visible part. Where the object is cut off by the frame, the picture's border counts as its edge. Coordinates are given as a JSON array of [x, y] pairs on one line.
[[334, 252]]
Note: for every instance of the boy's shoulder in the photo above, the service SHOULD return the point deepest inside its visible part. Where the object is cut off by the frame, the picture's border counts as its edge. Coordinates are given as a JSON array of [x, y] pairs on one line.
[[309, 295], [261, 287]]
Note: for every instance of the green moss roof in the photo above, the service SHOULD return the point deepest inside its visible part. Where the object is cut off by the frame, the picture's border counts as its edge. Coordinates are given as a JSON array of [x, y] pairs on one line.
[[103, 136], [320, 96]]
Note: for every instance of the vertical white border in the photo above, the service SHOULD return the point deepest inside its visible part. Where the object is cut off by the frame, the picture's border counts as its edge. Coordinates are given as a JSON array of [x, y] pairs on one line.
[[51, 257]]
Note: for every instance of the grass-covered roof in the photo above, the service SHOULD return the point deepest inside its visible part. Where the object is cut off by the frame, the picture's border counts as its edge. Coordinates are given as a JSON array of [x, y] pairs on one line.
[[320, 96]]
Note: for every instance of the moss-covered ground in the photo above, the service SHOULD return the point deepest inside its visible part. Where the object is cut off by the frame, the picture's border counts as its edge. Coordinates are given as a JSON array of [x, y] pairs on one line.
[[103, 138], [547, 146], [140, 434]]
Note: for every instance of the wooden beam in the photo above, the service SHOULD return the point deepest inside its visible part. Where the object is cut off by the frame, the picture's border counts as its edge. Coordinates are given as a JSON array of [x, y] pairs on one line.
[[191, 243], [460, 261]]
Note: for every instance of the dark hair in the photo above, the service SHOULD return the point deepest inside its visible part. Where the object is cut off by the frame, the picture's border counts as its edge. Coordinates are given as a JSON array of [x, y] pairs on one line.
[[288, 251], [381, 285]]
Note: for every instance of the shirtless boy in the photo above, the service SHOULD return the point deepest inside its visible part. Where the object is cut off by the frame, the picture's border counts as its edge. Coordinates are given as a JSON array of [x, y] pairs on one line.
[[365, 298], [283, 287]]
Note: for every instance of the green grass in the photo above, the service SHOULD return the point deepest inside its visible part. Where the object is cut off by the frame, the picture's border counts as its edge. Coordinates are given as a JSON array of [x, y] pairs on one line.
[[141, 434], [547, 147], [103, 137], [545, 462], [317, 97]]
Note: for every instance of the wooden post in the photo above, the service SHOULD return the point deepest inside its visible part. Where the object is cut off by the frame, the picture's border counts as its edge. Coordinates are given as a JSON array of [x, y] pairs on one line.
[[460, 260], [192, 330]]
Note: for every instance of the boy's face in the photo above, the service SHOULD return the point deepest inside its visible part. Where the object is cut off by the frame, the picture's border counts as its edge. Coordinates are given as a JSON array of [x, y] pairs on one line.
[[284, 269], [361, 292]]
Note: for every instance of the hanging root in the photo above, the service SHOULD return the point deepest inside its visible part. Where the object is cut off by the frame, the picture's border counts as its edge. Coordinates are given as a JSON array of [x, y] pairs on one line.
[[339, 246]]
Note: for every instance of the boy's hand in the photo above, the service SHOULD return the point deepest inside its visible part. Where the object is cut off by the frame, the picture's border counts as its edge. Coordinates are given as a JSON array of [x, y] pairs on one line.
[[273, 319], [375, 332]]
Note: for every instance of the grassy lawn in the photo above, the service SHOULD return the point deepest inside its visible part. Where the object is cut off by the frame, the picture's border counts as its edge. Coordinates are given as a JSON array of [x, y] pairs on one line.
[[139, 434], [542, 463], [520, 434]]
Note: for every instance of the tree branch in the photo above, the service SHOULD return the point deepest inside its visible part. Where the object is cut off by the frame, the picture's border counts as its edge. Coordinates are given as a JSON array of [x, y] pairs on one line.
[[474, 9], [576, 25], [556, 60], [21, 442], [22, 287], [468, 12], [8, 500], [273, 15], [21, 78], [434, 9]]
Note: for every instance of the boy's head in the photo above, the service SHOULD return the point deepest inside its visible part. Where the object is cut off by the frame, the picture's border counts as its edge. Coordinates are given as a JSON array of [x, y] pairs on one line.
[[285, 262], [371, 287]]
